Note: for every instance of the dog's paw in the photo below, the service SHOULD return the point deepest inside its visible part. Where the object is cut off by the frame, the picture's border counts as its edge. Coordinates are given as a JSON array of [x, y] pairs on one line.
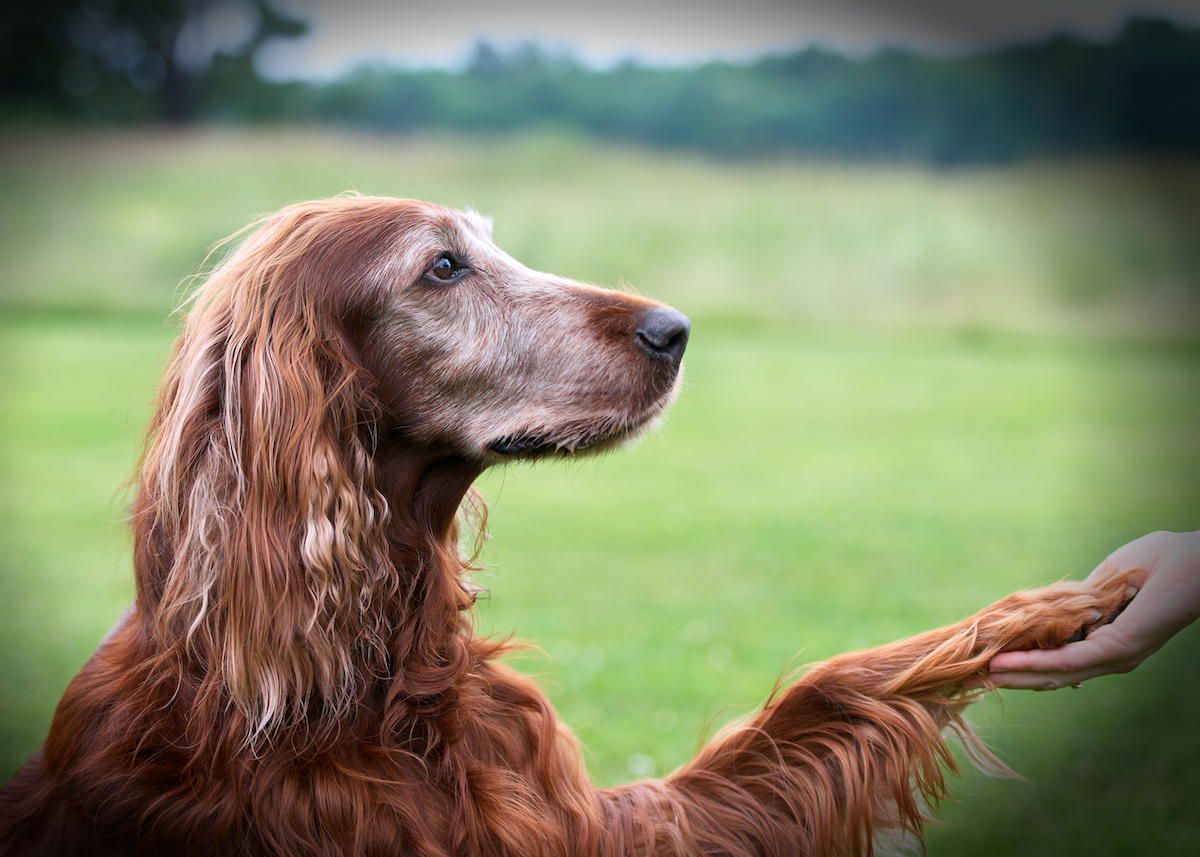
[[1063, 613]]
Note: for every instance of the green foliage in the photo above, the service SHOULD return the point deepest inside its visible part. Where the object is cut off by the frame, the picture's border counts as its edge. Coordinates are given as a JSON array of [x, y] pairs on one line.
[[127, 60], [824, 482], [1058, 95]]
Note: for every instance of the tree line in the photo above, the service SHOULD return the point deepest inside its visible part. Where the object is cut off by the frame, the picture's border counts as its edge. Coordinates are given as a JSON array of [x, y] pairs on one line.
[[1137, 92]]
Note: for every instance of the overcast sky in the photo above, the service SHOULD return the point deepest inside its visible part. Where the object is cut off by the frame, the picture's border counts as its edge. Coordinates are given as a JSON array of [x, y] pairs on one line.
[[441, 34]]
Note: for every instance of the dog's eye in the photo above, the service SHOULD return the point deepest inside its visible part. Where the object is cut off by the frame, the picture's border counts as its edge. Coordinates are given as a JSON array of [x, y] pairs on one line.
[[446, 269]]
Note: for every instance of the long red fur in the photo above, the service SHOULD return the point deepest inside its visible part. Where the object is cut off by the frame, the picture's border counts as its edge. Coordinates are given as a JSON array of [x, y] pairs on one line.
[[239, 709]]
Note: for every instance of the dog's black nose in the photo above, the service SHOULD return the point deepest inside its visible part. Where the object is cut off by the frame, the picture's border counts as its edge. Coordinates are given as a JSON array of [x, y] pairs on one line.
[[662, 333]]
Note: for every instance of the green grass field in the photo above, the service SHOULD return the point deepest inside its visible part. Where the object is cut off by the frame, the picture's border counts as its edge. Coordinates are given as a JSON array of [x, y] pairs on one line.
[[907, 394]]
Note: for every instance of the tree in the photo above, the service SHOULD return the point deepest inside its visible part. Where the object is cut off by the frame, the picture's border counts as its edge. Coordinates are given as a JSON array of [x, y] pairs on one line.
[[138, 55]]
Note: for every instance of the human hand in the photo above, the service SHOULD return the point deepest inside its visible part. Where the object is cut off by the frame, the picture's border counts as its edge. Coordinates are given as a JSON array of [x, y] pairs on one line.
[[1165, 570]]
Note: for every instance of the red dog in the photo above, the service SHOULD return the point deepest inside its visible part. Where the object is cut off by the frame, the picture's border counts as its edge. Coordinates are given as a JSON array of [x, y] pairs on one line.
[[298, 675]]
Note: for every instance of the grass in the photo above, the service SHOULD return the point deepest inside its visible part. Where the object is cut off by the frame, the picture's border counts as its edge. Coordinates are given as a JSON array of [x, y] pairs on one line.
[[866, 445], [1049, 247]]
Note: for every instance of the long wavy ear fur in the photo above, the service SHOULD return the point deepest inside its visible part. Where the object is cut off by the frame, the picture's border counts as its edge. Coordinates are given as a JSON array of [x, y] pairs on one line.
[[262, 557]]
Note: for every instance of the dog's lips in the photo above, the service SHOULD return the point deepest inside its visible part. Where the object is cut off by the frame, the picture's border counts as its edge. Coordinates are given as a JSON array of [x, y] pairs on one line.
[[519, 444], [570, 440], [536, 444]]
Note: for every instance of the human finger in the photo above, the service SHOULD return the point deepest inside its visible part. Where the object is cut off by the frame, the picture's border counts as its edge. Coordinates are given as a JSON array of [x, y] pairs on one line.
[[1045, 681], [1083, 655]]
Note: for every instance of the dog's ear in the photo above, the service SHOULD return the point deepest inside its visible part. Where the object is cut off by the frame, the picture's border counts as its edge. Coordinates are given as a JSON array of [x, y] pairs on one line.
[[262, 553]]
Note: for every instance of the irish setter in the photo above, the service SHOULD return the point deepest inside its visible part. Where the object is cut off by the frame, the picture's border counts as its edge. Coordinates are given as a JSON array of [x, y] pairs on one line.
[[298, 674]]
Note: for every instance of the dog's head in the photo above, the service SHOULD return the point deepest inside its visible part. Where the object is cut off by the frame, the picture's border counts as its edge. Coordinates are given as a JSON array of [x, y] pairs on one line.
[[340, 379], [476, 351]]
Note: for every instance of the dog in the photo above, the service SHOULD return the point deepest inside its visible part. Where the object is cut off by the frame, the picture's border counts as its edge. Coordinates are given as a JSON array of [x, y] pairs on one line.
[[298, 675]]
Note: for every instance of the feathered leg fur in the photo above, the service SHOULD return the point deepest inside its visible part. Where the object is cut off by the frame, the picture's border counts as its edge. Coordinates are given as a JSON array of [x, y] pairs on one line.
[[853, 749]]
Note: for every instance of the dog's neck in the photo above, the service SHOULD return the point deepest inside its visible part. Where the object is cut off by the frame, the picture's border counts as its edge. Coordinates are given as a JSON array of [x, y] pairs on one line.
[[424, 487], [431, 648]]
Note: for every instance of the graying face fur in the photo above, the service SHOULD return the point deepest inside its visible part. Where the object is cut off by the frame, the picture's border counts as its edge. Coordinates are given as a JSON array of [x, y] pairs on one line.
[[501, 361]]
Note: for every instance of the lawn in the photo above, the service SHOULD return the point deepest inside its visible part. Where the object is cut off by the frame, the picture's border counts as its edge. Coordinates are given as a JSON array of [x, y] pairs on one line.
[[907, 394]]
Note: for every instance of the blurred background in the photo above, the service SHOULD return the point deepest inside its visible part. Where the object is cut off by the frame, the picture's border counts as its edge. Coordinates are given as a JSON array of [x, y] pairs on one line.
[[943, 266]]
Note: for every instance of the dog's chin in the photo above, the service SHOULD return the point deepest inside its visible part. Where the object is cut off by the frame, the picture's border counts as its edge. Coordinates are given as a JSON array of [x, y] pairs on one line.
[[577, 439]]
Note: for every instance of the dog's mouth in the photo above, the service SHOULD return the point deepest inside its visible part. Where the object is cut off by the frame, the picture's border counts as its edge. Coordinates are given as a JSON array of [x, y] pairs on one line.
[[569, 442], [522, 444], [576, 438]]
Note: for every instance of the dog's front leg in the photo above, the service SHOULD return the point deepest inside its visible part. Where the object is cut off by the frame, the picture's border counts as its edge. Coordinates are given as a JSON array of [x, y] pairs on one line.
[[856, 747]]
